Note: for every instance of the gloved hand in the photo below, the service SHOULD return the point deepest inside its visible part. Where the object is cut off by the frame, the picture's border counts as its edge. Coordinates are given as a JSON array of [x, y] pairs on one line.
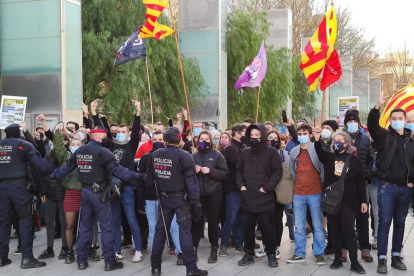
[[197, 212]]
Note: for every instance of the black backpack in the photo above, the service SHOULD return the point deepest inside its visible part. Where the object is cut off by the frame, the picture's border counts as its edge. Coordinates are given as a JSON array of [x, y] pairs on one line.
[[332, 195]]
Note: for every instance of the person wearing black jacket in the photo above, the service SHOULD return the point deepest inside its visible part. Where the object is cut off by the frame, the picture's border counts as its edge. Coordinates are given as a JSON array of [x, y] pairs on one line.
[[259, 170], [354, 199], [395, 168], [234, 212], [124, 152], [211, 169]]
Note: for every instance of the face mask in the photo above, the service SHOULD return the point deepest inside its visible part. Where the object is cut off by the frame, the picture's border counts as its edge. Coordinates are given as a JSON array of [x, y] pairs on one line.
[[113, 134], [326, 133], [158, 145], [352, 127], [196, 131], [203, 145], [274, 144], [338, 147], [82, 136], [121, 137], [243, 139], [410, 126], [397, 125], [216, 141], [73, 149], [255, 142], [104, 142], [224, 142], [303, 139], [42, 135]]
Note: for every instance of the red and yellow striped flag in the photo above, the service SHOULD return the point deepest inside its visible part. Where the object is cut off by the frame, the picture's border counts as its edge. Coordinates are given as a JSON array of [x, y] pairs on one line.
[[403, 99], [320, 53], [152, 28]]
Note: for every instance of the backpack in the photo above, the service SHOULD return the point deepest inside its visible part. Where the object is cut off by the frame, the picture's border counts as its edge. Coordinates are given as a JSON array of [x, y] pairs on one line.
[[333, 194], [284, 190]]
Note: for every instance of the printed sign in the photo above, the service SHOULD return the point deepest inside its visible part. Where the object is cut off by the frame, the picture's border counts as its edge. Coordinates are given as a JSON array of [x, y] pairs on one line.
[[12, 110], [345, 104]]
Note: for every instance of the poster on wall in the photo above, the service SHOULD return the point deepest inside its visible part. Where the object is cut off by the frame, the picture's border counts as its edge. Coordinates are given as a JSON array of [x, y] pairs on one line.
[[345, 104], [12, 110], [51, 119]]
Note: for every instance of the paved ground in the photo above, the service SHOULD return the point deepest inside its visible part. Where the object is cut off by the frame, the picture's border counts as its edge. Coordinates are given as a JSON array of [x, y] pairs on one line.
[[224, 267]]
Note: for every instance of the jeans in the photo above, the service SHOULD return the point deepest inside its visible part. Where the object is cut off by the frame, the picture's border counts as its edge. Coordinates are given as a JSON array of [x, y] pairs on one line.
[[116, 221], [300, 205], [234, 217], [372, 191], [152, 208], [393, 203], [128, 202], [290, 219]]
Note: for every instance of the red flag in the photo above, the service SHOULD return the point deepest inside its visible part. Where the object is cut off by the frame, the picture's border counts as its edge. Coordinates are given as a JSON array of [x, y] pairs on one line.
[[332, 71]]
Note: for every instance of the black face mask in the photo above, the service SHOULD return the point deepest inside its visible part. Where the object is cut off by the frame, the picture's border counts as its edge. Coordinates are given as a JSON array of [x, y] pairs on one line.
[[274, 144], [113, 134], [203, 146], [255, 142], [104, 142], [42, 135], [243, 139]]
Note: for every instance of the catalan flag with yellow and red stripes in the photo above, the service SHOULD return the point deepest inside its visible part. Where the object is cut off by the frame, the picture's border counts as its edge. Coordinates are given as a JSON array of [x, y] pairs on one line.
[[152, 28], [320, 54], [403, 99]]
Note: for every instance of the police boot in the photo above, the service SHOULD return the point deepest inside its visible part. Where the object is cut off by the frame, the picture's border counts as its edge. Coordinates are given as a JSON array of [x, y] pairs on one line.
[[114, 266], [213, 255], [5, 261], [198, 272], [195, 253], [31, 263], [83, 266], [156, 271]]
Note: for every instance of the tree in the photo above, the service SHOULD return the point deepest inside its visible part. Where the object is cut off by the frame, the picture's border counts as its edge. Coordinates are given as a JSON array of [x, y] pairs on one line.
[[105, 27]]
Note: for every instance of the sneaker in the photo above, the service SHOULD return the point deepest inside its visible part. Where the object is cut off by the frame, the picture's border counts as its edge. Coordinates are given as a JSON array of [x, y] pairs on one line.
[[119, 256], [93, 256], [374, 244], [357, 268], [295, 259], [223, 251], [246, 260], [46, 254], [14, 236], [397, 263], [382, 266], [18, 252], [259, 253], [31, 263], [277, 255], [126, 243], [180, 259], [292, 238], [344, 257], [366, 256], [198, 272], [240, 249], [95, 246], [337, 263], [172, 250], [5, 261], [114, 266], [308, 232], [137, 257], [70, 257], [320, 260], [272, 260]]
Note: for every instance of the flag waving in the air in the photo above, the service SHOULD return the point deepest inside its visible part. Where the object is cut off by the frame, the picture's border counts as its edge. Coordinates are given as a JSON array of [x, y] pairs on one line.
[[133, 48], [403, 99], [152, 28], [320, 54], [254, 74]]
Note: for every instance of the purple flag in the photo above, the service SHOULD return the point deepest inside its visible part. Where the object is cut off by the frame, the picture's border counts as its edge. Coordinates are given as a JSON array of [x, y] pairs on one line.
[[254, 74]]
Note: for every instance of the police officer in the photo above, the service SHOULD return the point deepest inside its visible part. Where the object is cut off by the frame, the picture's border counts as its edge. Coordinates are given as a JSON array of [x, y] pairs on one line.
[[95, 163], [15, 153], [173, 172]]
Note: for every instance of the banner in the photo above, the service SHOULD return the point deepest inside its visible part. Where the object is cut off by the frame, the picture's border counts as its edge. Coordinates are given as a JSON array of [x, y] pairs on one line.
[[345, 104], [12, 110]]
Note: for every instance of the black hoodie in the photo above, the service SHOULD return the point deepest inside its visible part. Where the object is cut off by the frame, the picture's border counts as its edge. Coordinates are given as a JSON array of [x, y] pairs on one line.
[[259, 167]]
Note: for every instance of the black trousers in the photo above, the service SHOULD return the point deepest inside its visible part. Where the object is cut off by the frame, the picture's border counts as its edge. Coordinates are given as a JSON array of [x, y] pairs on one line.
[[278, 216], [266, 222], [211, 205], [340, 226], [363, 230]]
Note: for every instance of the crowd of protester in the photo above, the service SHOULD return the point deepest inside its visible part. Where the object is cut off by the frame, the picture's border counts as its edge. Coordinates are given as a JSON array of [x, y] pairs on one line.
[[239, 171]]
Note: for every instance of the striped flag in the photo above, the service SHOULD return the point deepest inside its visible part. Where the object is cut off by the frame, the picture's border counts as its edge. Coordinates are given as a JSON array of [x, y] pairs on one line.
[[320, 54], [403, 99], [152, 28]]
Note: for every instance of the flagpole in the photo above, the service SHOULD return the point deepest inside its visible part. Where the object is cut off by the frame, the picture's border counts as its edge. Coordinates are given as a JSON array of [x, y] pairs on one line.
[[182, 71], [323, 107], [149, 90], [257, 107]]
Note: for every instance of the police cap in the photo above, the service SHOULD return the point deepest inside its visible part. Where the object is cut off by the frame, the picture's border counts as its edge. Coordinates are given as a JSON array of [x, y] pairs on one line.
[[12, 131], [171, 135]]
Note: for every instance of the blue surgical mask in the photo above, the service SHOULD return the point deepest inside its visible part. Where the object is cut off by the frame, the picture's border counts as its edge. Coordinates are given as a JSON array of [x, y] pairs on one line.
[[397, 125], [410, 126], [216, 141], [73, 149], [121, 137], [196, 131], [352, 127], [303, 139]]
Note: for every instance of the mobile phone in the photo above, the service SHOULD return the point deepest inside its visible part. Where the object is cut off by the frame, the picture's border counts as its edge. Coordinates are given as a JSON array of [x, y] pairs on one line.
[[284, 117]]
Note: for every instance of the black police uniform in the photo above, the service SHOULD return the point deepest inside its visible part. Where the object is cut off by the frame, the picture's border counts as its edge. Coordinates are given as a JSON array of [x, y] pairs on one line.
[[15, 154], [173, 172], [95, 163]]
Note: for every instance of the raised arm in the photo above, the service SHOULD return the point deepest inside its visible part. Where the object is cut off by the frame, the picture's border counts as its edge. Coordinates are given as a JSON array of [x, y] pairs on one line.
[[323, 155], [292, 130], [136, 128], [59, 149], [375, 130]]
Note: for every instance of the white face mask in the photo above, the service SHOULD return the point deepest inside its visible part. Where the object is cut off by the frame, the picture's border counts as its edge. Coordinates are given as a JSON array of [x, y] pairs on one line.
[[326, 133]]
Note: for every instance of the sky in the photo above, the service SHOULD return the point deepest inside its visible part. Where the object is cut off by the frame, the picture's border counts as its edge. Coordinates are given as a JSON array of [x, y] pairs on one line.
[[390, 22]]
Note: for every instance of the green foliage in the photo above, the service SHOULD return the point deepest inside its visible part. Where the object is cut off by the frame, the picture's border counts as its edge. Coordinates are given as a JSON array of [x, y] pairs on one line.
[[106, 24], [245, 33]]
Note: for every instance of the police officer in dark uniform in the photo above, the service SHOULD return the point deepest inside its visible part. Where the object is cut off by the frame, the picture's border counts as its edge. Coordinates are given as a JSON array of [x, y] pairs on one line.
[[173, 172], [15, 154], [95, 163]]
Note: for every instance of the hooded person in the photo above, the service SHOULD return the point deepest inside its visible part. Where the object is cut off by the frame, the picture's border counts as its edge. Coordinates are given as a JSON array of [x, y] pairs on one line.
[[259, 170]]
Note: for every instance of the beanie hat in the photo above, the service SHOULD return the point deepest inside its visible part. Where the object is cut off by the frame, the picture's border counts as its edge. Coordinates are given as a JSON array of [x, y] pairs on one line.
[[352, 115], [331, 123], [12, 131]]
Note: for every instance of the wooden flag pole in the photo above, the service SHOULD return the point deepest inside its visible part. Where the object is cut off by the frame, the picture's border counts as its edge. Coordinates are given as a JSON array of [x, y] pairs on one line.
[[257, 107], [182, 72], [323, 107], [149, 90]]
